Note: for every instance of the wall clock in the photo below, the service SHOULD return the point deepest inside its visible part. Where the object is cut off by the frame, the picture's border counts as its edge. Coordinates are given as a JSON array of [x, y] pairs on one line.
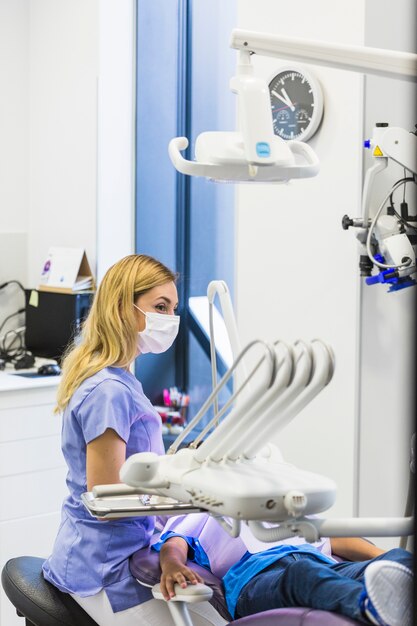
[[297, 103]]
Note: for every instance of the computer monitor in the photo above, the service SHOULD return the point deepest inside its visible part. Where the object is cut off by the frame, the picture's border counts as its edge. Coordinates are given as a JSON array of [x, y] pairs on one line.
[[53, 320]]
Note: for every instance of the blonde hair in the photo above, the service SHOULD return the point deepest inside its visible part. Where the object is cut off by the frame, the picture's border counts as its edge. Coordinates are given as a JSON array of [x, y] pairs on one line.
[[109, 333]]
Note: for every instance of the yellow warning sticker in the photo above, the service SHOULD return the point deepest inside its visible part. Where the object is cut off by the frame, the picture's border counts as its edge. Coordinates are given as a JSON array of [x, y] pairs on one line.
[[377, 152]]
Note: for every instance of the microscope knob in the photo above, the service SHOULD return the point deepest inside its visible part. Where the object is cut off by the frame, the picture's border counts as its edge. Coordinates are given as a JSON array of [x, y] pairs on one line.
[[346, 222]]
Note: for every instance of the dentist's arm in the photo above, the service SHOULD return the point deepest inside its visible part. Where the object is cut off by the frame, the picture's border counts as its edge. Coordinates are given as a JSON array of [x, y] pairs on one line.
[[173, 559], [105, 456]]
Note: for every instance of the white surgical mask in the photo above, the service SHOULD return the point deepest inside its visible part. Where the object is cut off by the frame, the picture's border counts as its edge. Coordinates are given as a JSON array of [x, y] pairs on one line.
[[159, 333]]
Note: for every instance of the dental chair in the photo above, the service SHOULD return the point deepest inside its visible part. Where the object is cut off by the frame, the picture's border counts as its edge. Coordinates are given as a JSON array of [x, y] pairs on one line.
[[144, 565], [42, 604]]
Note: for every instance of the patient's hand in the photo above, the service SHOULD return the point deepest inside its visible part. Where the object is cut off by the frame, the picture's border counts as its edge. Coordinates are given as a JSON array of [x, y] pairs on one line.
[[176, 572], [173, 558]]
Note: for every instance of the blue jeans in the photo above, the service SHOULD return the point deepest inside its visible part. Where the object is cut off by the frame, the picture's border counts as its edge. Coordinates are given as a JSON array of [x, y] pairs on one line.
[[303, 580]]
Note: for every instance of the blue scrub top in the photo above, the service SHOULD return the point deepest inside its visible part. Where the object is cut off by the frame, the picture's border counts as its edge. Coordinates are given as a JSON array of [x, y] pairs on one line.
[[90, 555]]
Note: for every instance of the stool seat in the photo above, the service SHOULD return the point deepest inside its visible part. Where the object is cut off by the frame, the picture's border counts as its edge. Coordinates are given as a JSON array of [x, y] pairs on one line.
[[38, 601]]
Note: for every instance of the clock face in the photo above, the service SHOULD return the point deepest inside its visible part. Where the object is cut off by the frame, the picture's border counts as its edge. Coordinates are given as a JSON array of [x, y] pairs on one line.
[[297, 104]]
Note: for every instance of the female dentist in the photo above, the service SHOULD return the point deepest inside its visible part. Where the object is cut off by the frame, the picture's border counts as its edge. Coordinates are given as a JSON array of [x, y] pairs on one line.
[[106, 418]]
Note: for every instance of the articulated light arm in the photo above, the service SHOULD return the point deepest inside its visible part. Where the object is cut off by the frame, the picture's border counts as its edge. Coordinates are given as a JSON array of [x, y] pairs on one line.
[[388, 63], [254, 153]]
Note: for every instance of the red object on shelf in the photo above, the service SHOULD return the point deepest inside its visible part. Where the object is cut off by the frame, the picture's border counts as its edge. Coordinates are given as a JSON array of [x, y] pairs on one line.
[[170, 417]]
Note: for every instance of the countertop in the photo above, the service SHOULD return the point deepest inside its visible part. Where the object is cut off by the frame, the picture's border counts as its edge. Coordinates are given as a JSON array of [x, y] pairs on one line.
[[10, 380]]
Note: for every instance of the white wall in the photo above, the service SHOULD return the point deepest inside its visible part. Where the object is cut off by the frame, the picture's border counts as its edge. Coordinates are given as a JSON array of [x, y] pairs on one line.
[[63, 128], [14, 152], [296, 267], [116, 132], [14, 115], [67, 128], [387, 319], [297, 272]]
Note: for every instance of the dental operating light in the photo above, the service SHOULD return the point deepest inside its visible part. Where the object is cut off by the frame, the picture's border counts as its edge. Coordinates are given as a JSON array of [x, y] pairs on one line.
[[254, 153]]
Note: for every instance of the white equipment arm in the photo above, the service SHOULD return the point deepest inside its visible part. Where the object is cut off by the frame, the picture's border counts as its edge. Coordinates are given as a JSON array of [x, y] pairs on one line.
[[314, 528], [269, 358], [220, 441], [255, 153], [280, 413], [389, 63], [219, 288]]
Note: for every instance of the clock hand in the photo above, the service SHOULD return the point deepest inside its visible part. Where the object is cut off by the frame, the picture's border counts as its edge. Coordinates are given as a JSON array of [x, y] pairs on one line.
[[286, 100], [280, 108]]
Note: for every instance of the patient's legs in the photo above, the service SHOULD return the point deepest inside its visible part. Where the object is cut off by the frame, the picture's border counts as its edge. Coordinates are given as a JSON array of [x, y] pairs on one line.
[[357, 569], [303, 580]]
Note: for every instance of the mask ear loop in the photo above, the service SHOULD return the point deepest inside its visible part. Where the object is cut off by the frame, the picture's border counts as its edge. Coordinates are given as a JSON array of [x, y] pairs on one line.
[[139, 309]]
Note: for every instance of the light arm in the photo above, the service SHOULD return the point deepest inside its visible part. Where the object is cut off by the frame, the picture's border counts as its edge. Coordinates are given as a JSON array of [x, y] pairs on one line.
[[388, 63]]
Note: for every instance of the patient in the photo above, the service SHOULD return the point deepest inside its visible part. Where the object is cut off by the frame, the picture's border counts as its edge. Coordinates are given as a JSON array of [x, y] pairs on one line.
[[368, 585]]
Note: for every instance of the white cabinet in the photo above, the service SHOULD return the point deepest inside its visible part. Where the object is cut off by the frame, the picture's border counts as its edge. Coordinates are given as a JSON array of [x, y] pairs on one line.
[[32, 473]]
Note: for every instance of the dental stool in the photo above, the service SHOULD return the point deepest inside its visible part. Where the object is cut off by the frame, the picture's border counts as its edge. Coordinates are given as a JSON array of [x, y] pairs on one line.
[[144, 566], [39, 602]]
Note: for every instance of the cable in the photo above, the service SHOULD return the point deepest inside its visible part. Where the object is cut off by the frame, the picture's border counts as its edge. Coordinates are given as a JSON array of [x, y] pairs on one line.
[[402, 220], [6, 351], [2, 325], [17, 355], [9, 352], [8, 348], [391, 199], [371, 229], [11, 282], [406, 179]]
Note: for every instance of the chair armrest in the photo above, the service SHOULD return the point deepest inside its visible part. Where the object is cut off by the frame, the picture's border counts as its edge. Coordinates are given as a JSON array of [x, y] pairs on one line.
[[191, 594], [144, 566]]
